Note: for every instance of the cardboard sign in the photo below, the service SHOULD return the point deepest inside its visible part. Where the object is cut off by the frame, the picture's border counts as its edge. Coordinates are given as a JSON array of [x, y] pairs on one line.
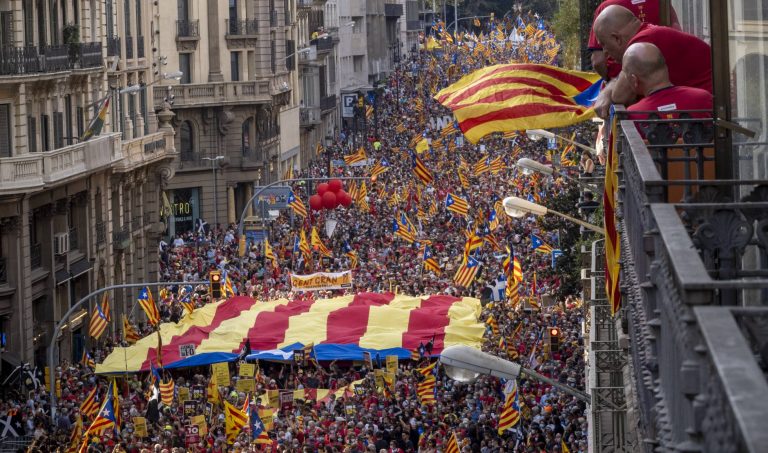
[[351, 410], [199, 420], [208, 410], [245, 385], [286, 401], [140, 426], [298, 356], [247, 370], [221, 373], [378, 376], [198, 392], [392, 364], [193, 434], [190, 408], [183, 394], [274, 398], [267, 417]]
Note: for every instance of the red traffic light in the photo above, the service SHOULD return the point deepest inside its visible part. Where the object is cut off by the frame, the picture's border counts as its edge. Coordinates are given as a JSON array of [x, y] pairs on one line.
[[554, 332], [215, 278]]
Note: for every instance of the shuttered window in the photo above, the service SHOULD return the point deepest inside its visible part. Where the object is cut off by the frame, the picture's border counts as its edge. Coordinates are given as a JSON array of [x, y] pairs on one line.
[[32, 134], [5, 130]]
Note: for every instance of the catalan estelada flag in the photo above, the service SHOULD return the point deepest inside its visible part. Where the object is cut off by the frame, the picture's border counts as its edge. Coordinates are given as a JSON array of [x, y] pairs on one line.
[[304, 246], [296, 204], [491, 321], [450, 128], [147, 303], [510, 412], [97, 123], [90, 406], [403, 231], [430, 263], [482, 166], [466, 272], [540, 246], [455, 203], [356, 157], [511, 97], [107, 416], [421, 171], [129, 332], [87, 360], [318, 245], [380, 167], [270, 254], [351, 254], [612, 240], [463, 180], [98, 323]]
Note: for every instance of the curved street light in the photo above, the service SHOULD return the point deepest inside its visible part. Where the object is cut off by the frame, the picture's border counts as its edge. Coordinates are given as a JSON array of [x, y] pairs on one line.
[[517, 207], [536, 134], [464, 364]]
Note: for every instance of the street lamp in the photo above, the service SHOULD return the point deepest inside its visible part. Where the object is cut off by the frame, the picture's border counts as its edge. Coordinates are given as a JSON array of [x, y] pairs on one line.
[[517, 207], [535, 134], [529, 166], [215, 189], [464, 364]]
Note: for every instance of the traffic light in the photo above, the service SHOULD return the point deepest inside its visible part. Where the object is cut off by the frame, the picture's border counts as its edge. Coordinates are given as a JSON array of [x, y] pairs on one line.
[[554, 339], [215, 277]]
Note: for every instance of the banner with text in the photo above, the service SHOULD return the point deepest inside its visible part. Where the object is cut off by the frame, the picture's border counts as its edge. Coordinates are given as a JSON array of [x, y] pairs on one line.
[[322, 281]]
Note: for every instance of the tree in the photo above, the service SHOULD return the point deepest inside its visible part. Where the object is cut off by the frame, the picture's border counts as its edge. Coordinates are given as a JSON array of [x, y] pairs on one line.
[[566, 27]]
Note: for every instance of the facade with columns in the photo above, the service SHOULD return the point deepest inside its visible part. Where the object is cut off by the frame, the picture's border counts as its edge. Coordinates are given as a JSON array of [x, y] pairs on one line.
[[76, 215], [236, 107]]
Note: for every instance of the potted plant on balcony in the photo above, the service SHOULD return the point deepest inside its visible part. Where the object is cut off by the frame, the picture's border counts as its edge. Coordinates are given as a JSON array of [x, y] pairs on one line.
[[71, 34]]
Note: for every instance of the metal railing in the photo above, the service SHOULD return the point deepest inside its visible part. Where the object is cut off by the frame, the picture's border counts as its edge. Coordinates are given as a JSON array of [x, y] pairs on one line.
[[32, 60], [328, 103], [692, 251], [113, 46], [324, 44], [309, 116], [3, 269], [187, 29], [36, 256], [393, 9], [242, 27], [121, 238]]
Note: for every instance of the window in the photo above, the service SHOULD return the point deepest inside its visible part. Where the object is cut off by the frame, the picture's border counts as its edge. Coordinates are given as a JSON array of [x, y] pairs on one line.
[[58, 130], [5, 130], [6, 32], [32, 134], [68, 119], [232, 14], [127, 15], [182, 7], [110, 20], [138, 18], [81, 121], [41, 25], [53, 12], [290, 52], [246, 136], [234, 65], [273, 53], [45, 132], [186, 141], [132, 114], [185, 67], [357, 62], [144, 113], [27, 10]]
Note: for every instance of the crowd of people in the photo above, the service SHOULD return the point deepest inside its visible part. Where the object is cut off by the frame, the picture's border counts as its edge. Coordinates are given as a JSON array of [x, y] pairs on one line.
[[369, 420]]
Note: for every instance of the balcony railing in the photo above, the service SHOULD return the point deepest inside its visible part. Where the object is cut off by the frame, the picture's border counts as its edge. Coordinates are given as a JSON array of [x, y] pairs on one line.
[[113, 46], [692, 252], [36, 256], [3, 270], [187, 29], [242, 27], [324, 44], [393, 10], [101, 233], [34, 170], [129, 47], [309, 116], [328, 103], [33, 60], [194, 95], [414, 25], [121, 238]]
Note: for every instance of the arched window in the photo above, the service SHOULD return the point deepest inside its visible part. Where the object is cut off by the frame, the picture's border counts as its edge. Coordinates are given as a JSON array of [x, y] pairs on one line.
[[187, 145], [248, 134]]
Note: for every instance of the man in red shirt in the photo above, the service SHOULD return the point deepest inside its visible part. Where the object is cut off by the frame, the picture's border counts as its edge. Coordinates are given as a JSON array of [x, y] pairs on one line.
[[688, 57], [647, 11]]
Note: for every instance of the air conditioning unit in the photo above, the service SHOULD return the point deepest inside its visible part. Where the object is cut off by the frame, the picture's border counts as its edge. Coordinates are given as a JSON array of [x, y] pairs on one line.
[[61, 243]]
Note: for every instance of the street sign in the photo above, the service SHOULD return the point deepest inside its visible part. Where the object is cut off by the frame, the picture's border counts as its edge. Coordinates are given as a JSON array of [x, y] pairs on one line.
[[348, 102]]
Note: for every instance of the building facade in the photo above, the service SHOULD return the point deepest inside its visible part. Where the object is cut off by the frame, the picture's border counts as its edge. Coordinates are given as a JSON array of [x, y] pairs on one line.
[[236, 109], [75, 215]]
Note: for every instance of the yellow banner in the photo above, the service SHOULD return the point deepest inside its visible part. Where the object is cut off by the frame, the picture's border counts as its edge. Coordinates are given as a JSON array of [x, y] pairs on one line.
[[392, 364], [140, 426], [322, 281], [221, 373], [247, 370], [183, 394]]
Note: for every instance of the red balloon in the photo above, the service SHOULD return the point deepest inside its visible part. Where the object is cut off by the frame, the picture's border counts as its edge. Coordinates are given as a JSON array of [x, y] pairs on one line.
[[344, 198], [322, 188], [335, 185], [329, 200], [316, 202]]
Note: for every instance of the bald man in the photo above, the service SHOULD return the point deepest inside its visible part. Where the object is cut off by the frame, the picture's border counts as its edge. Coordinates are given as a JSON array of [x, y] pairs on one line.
[[645, 71], [688, 57], [648, 11]]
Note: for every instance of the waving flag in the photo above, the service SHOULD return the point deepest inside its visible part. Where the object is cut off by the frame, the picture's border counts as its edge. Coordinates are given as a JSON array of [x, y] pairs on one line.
[[296, 204], [612, 239], [450, 128], [318, 245], [466, 273], [493, 220], [269, 254], [540, 246], [107, 416], [497, 165], [511, 97], [421, 171], [90, 406], [493, 324], [482, 166], [473, 243], [453, 445], [430, 263], [403, 231], [304, 246], [87, 360], [356, 157], [257, 426], [235, 420], [510, 412], [463, 180], [129, 332], [147, 303], [351, 254], [98, 323], [97, 123], [425, 390], [167, 392], [380, 167], [455, 203]]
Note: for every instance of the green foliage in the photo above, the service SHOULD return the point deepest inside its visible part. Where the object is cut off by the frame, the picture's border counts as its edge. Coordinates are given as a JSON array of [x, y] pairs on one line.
[[566, 27]]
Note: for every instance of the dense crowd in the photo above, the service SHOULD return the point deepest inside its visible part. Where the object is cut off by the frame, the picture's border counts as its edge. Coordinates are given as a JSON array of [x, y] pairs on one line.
[[369, 420]]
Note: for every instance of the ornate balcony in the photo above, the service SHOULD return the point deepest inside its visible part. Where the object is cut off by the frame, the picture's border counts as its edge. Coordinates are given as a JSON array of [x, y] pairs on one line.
[[113, 46], [309, 116], [15, 61], [220, 93], [187, 34], [694, 285]]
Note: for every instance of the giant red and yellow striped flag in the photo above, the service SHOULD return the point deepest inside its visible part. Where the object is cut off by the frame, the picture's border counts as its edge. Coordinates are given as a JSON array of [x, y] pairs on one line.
[[612, 243], [511, 97]]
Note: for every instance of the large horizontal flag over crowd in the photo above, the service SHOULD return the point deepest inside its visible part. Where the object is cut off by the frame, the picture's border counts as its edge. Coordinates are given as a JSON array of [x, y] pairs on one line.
[[346, 326], [512, 97]]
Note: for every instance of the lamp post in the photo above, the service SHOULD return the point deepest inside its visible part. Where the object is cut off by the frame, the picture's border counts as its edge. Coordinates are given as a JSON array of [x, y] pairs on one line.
[[464, 364], [215, 189], [530, 165], [517, 207], [535, 134]]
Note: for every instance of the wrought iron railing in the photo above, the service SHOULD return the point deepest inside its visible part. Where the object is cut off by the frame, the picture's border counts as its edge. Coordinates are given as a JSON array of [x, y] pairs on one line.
[[187, 29], [31, 59], [328, 103], [242, 27], [113, 46], [3, 269], [692, 251]]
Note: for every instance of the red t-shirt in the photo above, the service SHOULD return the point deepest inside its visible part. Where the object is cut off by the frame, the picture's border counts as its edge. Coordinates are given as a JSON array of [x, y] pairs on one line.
[[688, 57], [672, 98], [645, 10]]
